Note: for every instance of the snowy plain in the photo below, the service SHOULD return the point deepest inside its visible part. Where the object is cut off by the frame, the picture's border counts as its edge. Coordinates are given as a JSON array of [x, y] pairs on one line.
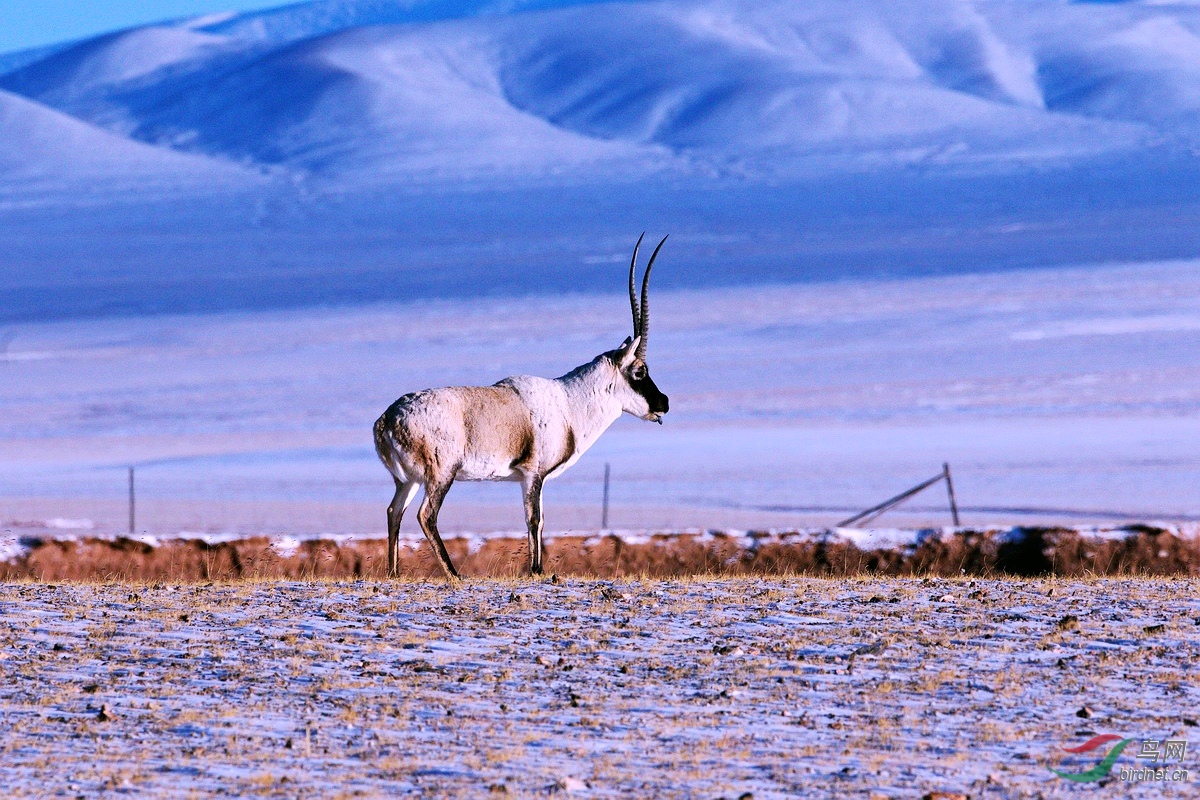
[[780, 687], [1060, 395], [957, 231]]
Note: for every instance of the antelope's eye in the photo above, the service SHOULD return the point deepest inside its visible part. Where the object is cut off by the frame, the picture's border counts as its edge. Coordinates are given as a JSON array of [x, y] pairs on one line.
[[638, 372]]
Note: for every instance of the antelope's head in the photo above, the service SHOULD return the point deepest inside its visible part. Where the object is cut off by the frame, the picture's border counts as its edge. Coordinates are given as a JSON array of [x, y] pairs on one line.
[[639, 395]]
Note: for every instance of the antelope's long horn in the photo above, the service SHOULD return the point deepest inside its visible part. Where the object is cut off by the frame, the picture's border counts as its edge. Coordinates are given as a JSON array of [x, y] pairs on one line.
[[633, 303], [644, 328]]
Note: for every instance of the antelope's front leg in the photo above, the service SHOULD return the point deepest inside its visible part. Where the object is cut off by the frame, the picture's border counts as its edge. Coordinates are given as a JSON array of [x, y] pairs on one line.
[[427, 515], [532, 486]]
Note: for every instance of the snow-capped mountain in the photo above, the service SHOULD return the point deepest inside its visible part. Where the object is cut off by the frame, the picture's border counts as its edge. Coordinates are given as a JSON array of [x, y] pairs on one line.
[[801, 139]]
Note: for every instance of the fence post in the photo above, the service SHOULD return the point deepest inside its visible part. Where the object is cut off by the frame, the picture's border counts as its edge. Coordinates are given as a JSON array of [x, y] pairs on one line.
[[604, 512], [132, 502], [950, 491]]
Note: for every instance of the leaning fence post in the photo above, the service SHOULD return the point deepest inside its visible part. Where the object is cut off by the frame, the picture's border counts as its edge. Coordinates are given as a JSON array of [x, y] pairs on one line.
[[950, 491], [874, 511]]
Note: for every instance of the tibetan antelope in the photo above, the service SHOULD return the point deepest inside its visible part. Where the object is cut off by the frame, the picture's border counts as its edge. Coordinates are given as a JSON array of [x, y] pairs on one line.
[[523, 429]]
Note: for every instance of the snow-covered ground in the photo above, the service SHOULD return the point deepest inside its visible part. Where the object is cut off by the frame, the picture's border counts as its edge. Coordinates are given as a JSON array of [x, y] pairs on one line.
[[1068, 395], [673, 689]]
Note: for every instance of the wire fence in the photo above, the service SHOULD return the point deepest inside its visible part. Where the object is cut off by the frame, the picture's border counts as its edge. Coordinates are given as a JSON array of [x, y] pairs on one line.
[[349, 495], [160, 498]]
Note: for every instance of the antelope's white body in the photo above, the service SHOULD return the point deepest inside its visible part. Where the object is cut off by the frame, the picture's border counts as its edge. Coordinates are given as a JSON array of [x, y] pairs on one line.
[[524, 428], [501, 432]]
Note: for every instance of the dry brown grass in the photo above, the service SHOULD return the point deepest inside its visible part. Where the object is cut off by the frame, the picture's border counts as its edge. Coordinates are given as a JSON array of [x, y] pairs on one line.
[[1041, 551]]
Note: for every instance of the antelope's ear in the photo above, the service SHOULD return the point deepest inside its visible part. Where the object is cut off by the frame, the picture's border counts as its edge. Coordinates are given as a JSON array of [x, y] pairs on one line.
[[627, 352]]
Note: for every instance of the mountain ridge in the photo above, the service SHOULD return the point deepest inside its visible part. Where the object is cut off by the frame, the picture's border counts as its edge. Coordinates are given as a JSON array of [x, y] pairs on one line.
[[857, 78], [778, 142]]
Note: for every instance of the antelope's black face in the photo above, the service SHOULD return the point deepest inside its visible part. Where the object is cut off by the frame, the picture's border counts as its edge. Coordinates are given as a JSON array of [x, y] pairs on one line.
[[637, 391], [657, 404]]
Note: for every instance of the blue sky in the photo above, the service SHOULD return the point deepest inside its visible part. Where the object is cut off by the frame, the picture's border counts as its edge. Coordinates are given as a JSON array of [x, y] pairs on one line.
[[29, 23]]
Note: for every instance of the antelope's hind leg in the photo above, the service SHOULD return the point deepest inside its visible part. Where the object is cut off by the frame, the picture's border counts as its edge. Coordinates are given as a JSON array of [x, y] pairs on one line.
[[405, 492], [427, 515], [532, 490]]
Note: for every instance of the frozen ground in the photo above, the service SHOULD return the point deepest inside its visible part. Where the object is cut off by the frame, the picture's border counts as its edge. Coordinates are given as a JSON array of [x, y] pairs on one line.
[[781, 688], [1064, 395]]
